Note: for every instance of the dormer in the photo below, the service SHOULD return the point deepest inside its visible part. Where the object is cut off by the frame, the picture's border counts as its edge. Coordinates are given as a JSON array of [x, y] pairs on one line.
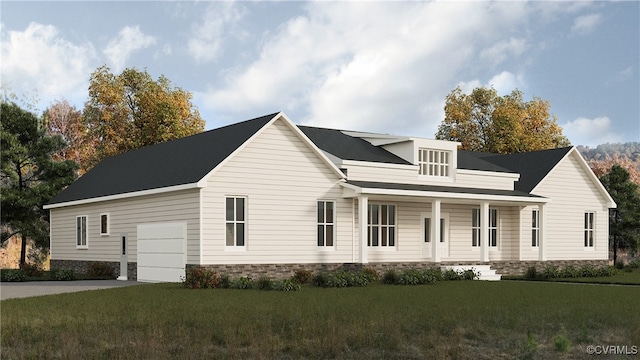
[[435, 159]]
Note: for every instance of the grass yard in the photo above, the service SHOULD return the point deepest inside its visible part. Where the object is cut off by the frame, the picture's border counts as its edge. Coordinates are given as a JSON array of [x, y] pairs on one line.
[[456, 319]]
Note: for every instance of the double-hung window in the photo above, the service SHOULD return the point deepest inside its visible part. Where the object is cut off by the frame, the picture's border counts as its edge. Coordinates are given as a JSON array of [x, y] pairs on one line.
[[104, 224], [589, 227], [326, 223], [381, 225], [535, 228], [433, 162], [81, 232], [476, 228], [235, 221]]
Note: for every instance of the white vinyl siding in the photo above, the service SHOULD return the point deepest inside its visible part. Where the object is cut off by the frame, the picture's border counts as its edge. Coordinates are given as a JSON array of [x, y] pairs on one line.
[[283, 179], [326, 223], [124, 217], [572, 193], [81, 232]]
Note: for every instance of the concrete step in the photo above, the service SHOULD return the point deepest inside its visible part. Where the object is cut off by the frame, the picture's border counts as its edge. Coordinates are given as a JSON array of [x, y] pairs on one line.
[[485, 271]]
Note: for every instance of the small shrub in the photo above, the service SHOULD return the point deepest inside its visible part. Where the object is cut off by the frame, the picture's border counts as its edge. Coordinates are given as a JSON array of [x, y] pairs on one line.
[[100, 269], [633, 264], [264, 283], [13, 275], [31, 270], [606, 271], [562, 343], [469, 274], [225, 281], [319, 279], [531, 273], [433, 275], [550, 272], [287, 285], [302, 276], [450, 275], [619, 265], [63, 275], [588, 271], [200, 278], [411, 277], [570, 272], [370, 274], [390, 277], [243, 282]]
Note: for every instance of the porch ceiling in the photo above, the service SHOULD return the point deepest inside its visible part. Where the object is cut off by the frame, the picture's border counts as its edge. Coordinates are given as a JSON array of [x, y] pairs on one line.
[[452, 194]]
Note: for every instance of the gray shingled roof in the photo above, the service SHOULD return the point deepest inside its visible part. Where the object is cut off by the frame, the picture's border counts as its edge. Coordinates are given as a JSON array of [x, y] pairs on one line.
[[348, 147], [188, 160], [435, 188], [178, 162], [532, 166]]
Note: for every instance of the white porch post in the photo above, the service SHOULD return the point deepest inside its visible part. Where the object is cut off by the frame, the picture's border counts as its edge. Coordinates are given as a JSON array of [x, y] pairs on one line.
[[363, 212], [484, 232], [435, 230], [542, 241]]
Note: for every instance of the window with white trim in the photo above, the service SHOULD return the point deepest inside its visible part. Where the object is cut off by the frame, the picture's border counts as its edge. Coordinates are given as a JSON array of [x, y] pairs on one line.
[[475, 227], [434, 162], [427, 229], [535, 228], [235, 224], [381, 225], [326, 223], [104, 224], [81, 232], [589, 227]]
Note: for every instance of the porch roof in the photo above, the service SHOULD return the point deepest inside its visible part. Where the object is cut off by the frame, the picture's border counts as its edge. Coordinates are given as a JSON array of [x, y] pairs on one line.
[[443, 192]]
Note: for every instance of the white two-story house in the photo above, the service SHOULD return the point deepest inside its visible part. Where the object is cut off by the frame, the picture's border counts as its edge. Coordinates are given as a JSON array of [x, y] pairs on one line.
[[267, 197]]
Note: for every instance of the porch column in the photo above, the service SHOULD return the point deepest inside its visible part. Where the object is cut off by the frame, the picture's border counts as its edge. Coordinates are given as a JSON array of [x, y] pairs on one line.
[[435, 230], [484, 232], [542, 241], [363, 213]]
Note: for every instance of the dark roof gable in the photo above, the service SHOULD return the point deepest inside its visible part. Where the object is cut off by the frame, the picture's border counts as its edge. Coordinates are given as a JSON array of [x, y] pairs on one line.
[[178, 162]]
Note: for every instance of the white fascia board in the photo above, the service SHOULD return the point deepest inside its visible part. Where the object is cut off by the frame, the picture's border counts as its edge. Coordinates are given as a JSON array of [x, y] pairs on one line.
[[379, 165], [124, 196], [294, 128], [444, 195], [609, 200], [514, 176]]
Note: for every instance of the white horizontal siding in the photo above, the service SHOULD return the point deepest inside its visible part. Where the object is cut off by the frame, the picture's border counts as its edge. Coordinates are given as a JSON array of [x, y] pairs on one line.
[[572, 193], [484, 181], [124, 217], [282, 179]]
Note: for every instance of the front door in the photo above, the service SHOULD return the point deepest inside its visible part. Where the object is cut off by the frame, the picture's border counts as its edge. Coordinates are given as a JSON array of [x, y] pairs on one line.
[[426, 223], [123, 257]]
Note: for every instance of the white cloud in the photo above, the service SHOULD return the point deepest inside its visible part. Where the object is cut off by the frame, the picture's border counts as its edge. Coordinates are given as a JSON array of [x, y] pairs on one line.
[[38, 59], [504, 49], [586, 23], [129, 40], [591, 132], [219, 23]]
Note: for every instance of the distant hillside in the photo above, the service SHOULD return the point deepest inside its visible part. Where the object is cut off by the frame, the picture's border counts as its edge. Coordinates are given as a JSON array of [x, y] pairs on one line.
[[603, 157]]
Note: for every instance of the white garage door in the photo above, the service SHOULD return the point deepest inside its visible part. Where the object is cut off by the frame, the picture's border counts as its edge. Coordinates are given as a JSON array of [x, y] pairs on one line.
[[161, 252]]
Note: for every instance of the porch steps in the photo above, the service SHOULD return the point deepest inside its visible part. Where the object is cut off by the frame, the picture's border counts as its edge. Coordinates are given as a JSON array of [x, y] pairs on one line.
[[486, 273]]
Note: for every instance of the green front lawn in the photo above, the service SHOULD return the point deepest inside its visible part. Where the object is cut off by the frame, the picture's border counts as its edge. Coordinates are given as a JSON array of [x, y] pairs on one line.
[[458, 319]]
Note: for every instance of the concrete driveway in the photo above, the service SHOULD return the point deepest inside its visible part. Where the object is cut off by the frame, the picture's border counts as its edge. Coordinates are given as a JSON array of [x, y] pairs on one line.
[[11, 290]]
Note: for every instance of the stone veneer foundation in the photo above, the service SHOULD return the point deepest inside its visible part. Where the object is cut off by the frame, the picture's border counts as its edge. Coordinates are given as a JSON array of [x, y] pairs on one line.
[[81, 267], [279, 271]]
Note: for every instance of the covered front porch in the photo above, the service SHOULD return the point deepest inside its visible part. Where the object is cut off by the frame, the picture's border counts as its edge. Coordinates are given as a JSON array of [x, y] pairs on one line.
[[474, 226]]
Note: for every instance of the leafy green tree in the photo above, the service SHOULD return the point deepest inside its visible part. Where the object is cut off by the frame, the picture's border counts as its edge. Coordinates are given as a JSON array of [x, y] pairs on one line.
[[28, 175], [624, 229], [484, 121], [131, 110]]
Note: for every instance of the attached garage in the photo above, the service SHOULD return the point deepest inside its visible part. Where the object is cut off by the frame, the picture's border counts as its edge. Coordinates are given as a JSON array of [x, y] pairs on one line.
[[161, 252]]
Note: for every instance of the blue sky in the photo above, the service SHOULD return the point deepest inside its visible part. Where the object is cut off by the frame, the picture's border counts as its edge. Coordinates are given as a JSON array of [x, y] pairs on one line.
[[371, 66]]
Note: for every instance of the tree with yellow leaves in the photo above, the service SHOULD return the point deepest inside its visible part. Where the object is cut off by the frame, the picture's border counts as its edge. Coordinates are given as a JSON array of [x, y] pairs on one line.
[[483, 121]]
